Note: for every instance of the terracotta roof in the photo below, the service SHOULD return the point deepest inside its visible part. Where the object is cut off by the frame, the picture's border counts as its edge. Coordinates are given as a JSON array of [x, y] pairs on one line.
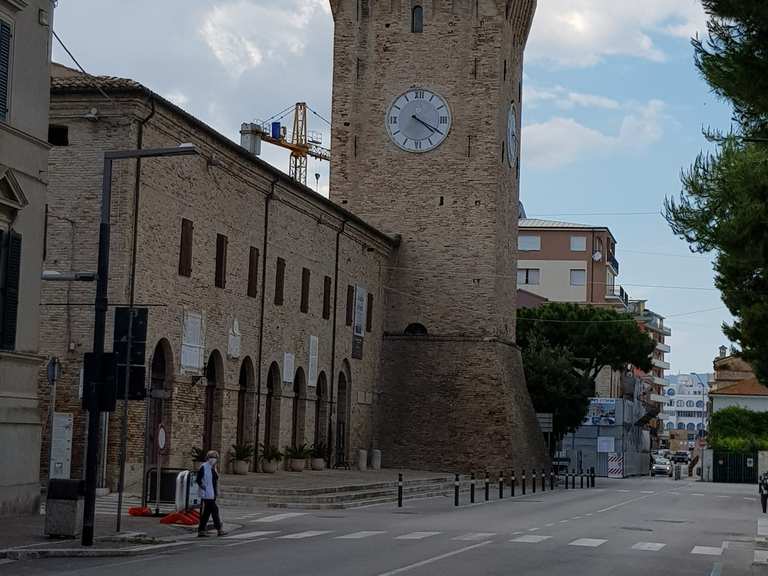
[[537, 223], [748, 387]]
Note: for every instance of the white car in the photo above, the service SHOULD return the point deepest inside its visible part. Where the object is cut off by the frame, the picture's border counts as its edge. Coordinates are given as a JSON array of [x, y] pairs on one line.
[[661, 466]]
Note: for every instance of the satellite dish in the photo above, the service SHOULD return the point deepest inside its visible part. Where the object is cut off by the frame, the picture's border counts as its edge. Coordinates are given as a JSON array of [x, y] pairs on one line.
[[597, 256]]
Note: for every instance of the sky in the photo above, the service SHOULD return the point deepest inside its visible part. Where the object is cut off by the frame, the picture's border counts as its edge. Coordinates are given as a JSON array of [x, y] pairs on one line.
[[613, 110]]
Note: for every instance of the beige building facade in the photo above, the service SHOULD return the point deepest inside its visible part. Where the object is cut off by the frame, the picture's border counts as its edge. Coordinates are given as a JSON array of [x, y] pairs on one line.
[[25, 45]]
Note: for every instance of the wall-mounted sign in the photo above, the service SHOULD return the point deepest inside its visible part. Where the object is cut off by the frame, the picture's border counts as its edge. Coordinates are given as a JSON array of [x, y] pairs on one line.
[[358, 325], [601, 412]]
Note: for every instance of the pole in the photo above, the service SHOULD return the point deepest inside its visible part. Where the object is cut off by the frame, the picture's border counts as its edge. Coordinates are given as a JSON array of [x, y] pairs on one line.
[[514, 481], [487, 487], [523, 481], [472, 488], [573, 479], [400, 490], [53, 367], [99, 328], [501, 485], [533, 481], [456, 490], [551, 479], [124, 425], [147, 404], [543, 481]]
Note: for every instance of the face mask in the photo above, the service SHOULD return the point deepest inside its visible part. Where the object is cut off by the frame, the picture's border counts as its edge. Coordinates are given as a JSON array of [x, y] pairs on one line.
[[212, 461]]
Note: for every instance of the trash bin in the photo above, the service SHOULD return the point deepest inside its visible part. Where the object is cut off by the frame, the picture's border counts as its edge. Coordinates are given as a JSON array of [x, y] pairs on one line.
[[187, 494], [64, 508]]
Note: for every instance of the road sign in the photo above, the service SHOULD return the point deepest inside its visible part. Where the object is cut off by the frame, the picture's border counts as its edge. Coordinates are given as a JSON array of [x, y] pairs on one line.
[[750, 462], [161, 437]]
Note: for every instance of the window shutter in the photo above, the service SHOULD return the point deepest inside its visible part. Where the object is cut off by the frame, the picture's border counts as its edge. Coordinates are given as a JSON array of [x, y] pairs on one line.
[[327, 298], [253, 272], [369, 313], [10, 301], [350, 304], [221, 261], [279, 281], [185, 251], [305, 276], [5, 68]]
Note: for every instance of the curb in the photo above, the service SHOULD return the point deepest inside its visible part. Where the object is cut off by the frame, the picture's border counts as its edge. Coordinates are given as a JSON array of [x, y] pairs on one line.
[[28, 554]]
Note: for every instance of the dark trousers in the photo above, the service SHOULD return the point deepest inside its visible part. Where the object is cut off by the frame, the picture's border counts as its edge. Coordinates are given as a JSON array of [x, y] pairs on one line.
[[210, 508]]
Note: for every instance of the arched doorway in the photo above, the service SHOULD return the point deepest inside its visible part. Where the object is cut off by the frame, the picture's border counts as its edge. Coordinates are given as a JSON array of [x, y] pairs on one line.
[[299, 408], [245, 393], [321, 410], [214, 373], [161, 373], [342, 416], [272, 407]]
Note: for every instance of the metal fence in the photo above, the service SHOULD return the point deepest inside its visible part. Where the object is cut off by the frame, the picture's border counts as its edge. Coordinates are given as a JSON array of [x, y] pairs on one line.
[[736, 468]]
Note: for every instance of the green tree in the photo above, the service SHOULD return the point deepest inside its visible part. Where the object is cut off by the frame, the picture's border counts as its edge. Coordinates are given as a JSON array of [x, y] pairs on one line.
[[723, 207]]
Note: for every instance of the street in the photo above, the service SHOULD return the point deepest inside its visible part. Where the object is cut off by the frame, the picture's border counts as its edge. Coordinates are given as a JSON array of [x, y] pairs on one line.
[[632, 526]]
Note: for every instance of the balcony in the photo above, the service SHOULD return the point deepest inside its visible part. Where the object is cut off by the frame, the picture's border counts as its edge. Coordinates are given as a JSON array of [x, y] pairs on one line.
[[617, 293], [659, 381], [613, 263], [660, 364], [666, 331], [661, 347]]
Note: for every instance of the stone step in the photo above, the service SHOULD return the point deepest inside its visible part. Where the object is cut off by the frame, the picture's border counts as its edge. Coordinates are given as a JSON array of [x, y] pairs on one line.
[[279, 491]]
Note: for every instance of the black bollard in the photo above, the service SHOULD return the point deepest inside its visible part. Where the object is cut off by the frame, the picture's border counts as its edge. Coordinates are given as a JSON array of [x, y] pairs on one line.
[[501, 485], [551, 479], [523, 481], [593, 476], [582, 479], [456, 490], [514, 481], [472, 488], [566, 479], [573, 479], [533, 481], [400, 490], [543, 481], [764, 501], [487, 488]]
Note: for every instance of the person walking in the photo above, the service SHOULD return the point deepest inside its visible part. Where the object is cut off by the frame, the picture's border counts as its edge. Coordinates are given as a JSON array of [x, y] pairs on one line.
[[207, 482]]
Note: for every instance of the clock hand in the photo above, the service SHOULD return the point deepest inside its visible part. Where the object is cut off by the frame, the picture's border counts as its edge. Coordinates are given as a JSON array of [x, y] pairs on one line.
[[419, 120]]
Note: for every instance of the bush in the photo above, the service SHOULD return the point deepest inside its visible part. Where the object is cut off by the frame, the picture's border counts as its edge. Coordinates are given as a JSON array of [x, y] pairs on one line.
[[271, 453], [241, 452], [736, 429], [298, 452]]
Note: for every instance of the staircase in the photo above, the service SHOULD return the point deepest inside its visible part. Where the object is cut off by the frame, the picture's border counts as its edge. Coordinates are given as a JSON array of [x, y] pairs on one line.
[[336, 497]]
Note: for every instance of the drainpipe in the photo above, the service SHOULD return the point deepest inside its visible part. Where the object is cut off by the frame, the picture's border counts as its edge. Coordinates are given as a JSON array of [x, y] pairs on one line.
[[257, 406], [329, 448]]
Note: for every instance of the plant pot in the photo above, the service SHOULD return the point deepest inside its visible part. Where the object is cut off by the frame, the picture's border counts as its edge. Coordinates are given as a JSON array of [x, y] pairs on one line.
[[241, 467], [269, 466], [318, 463], [298, 464]]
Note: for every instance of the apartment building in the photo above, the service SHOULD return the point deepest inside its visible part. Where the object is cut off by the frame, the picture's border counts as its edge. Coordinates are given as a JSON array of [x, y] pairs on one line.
[[685, 405], [567, 262]]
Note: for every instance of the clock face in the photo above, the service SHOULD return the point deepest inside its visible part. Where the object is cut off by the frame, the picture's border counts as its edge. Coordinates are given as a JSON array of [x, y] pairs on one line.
[[512, 135], [418, 120]]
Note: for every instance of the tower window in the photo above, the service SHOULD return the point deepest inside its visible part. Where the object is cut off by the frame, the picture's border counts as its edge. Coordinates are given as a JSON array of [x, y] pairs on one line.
[[417, 19]]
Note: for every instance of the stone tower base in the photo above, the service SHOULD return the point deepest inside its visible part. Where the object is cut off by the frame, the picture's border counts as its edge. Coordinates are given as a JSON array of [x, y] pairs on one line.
[[457, 405]]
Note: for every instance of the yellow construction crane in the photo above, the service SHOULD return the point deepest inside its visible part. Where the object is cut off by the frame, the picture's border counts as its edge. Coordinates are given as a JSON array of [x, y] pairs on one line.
[[301, 142]]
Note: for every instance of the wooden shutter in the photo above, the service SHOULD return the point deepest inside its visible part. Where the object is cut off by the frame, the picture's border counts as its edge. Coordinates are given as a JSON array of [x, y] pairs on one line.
[[305, 277], [5, 68], [185, 251], [253, 272], [279, 281], [221, 261], [369, 313], [10, 293], [350, 304], [327, 297]]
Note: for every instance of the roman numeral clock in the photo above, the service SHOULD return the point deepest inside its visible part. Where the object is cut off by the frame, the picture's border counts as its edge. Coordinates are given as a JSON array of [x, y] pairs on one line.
[[418, 120]]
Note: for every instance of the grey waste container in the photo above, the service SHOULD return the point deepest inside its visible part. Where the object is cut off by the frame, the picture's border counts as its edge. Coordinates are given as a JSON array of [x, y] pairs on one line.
[[64, 508]]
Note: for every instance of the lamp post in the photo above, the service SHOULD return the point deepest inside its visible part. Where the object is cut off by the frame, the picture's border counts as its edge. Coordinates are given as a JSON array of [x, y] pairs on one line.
[[100, 320]]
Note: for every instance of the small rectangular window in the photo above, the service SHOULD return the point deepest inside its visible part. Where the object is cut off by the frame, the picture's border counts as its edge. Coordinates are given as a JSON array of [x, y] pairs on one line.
[[58, 135], [185, 251], [528, 276], [369, 313], [327, 297], [221, 261], [305, 278], [528, 243], [279, 281], [5, 68], [578, 243], [578, 277], [350, 304], [253, 272], [417, 21]]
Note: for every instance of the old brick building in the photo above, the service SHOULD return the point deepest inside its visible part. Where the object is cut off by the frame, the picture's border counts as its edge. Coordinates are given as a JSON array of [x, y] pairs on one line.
[[255, 284]]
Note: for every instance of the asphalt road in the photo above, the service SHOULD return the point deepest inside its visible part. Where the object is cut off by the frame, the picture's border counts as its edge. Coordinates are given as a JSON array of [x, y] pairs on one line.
[[627, 527]]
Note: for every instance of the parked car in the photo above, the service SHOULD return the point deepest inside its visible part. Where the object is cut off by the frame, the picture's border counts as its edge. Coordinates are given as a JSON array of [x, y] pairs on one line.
[[680, 457], [661, 467]]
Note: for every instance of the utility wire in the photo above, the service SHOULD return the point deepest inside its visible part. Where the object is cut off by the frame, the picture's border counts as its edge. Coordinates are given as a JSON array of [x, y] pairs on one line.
[[72, 56]]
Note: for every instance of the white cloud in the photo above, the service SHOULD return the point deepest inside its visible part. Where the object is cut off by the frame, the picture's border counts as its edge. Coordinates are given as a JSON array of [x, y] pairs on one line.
[[533, 97], [242, 34], [560, 141], [178, 98], [581, 33], [592, 101]]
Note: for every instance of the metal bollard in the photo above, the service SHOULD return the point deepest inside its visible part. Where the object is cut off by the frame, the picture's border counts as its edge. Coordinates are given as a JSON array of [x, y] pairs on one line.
[[400, 490], [582, 479], [551, 479], [573, 479], [592, 471], [472, 488], [487, 487], [456, 490], [501, 485], [764, 501], [514, 481], [523, 481], [533, 481], [543, 481]]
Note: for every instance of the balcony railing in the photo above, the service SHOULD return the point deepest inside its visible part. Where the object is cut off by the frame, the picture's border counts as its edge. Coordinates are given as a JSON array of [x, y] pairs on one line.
[[614, 263], [617, 293], [661, 347], [660, 363]]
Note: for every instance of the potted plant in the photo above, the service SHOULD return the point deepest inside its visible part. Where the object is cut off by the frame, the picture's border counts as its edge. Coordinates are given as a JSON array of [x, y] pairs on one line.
[[270, 457], [198, 457], [318, 456], [241, 455], [298, 456]]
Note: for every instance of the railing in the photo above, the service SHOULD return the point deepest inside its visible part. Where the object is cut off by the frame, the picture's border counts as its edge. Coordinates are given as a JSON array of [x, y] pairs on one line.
[[617, 293], [614, 263]]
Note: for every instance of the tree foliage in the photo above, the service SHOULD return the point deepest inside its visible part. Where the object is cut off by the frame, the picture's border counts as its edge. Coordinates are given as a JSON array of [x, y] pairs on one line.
[[723, 207], [736, 429]]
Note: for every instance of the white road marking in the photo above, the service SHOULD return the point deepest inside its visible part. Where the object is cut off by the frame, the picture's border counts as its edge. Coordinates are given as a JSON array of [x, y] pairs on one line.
[[622, 490], [722, 496], [278, 517], [533, 529], [620, 504], [648, 546], [588, 542], [307, 534], [246, 535], [242, 542], [750, 499], [675, 493], [563, 521], [762, 527], [576, 518], [433, 559], [475, 536], [550, 524], [360, 535], [590, 514], [696, 494], [531, 539], [417, 535], [647, 492], [761, 557], [707, 550], [6, 561]]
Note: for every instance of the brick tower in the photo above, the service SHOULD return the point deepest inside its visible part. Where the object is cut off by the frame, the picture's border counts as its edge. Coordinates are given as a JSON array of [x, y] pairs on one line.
[[426, 115]]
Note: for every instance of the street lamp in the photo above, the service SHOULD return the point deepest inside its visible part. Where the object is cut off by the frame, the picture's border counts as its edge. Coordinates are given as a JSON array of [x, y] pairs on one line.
[[100, 319]]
